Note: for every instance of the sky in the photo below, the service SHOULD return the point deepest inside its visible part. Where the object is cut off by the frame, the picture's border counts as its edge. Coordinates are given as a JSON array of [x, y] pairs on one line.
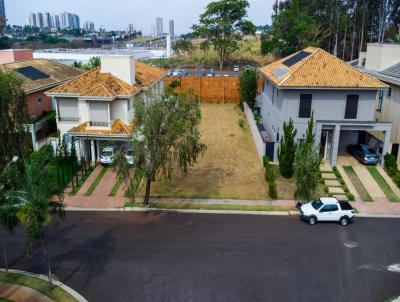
[[117, 14]]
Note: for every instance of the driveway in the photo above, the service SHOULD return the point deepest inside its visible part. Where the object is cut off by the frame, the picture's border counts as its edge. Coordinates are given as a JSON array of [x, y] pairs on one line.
[[197, 257]]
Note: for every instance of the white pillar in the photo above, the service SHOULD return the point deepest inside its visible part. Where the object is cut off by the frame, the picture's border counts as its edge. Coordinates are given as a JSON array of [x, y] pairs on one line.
[[335, 145], [98, 150], [92, 153]]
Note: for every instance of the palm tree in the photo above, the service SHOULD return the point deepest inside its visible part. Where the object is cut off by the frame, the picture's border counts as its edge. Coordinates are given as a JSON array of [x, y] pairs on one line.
[[38, 205]]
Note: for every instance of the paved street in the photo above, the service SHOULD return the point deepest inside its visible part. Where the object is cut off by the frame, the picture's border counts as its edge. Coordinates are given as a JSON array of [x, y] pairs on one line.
[[127, 256]]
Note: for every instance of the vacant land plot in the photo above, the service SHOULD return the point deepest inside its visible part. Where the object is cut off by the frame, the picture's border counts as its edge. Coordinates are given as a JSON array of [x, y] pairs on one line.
[[230, 167]]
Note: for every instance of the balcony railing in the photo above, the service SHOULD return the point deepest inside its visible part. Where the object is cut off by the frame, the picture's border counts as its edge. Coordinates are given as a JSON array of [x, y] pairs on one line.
[[100, 124], [68, 119]]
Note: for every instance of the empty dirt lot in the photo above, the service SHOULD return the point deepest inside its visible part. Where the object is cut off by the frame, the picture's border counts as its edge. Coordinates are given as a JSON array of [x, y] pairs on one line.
[[230, 167]]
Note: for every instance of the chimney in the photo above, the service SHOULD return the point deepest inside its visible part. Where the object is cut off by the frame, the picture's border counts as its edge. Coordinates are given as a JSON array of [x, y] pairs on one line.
[[15, 55], [123, 67]]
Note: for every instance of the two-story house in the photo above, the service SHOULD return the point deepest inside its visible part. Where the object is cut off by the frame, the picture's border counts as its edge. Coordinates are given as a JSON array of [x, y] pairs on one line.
[[38, 76], [341, 97], [382, 61], [97, 106]]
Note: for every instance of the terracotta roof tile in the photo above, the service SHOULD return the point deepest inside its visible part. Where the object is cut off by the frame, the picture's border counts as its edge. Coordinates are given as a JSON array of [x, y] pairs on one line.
[[117, 128], [319, 70], [98, 84]]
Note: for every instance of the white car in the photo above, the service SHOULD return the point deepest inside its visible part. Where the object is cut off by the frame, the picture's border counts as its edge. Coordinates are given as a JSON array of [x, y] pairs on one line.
[[327, 209], [236, 68], [129, 157], [107, 155]]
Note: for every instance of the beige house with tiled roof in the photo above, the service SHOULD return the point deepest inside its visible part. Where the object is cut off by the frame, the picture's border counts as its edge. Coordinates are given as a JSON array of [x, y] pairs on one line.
[[96, 108], [341, 97]]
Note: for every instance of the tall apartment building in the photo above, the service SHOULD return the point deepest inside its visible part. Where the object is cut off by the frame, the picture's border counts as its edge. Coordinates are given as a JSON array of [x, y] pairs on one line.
[[47, 23], [131, 28], [32, 20], [39, 20], [3, 19], [171, 28], [89, 26], [56, 21], [159, 26]]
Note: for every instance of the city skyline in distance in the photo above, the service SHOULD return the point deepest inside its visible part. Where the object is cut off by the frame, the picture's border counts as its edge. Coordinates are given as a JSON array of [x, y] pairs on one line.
[[141, 13]]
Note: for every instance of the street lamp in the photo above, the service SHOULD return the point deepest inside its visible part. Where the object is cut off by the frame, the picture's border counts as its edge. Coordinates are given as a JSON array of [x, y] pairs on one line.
[[13, 160]]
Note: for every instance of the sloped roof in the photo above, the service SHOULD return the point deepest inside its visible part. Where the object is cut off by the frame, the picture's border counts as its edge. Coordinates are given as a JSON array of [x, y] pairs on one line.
[[57, 73], [97, 84], [393, 70], [117, 128], [316, 68]]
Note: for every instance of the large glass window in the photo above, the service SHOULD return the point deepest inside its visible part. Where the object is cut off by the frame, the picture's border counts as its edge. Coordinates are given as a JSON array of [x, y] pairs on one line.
[[351, 106], [305, 105]]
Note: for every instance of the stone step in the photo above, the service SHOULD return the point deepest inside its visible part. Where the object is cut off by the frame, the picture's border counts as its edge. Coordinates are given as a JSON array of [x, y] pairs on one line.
[[332, 183], [336, 190], [329, 175], [325, 168]]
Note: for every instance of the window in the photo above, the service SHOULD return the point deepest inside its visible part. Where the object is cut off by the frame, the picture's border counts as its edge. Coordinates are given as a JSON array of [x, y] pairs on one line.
[[334, 207], [389, 92], [305, 105], [380, 100], [326, 208], [39, 101], [351, 106]]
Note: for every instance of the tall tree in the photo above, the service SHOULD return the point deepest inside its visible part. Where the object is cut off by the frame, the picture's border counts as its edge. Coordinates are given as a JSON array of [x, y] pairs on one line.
[[287, 149], [307, 163], [13, 114], [39, 203], [221, 24], [248, 86], [167, 136]]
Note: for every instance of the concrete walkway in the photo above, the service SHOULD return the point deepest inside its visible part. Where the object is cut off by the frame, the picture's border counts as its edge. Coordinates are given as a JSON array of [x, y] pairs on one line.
[[106, 184], [19, 293], [90, 180]]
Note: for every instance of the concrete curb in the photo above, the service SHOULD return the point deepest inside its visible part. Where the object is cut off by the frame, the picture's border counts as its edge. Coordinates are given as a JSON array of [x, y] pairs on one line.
[[227, 212], [69, 290]]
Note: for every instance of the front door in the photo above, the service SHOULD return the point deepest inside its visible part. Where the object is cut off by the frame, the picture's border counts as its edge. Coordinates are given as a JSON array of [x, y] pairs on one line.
[[326, 144]]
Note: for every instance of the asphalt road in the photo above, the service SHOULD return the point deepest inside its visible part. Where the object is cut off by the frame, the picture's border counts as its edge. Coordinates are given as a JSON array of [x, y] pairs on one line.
[[126, 256]]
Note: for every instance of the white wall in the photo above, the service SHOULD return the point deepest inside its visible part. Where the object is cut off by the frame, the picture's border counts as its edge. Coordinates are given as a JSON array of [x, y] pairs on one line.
[[382, 56], [119, 110], [258, 141]]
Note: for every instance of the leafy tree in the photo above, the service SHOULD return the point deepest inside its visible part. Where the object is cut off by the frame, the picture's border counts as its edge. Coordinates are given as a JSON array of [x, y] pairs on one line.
[[307, 163], [39, 203], [166, 137], [221, 23], [248, 86], [287, 149], [13, 114], [5, 42], [183, 46], [93, 63], [266, 44]]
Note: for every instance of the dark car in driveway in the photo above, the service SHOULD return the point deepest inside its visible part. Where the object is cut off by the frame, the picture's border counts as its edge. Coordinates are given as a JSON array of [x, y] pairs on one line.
[[364, 154]]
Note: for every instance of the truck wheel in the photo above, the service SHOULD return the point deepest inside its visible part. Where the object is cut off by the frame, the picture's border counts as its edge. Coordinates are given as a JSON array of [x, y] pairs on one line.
[[312, 220], [344, 221]]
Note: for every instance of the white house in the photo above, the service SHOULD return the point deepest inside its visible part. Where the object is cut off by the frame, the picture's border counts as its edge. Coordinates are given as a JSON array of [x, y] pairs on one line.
[[341, 97], [96, 107], [382, 61]]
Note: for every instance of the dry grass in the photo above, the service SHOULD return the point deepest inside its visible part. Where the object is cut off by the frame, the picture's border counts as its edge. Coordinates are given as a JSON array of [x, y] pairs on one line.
[[230, 168]]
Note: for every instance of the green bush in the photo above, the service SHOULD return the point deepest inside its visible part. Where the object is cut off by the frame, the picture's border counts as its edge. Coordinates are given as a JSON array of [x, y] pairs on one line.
[[350, 196], [326, 189], [390, 162], [346, 189], [248, 86], [265, 160], [241, 123], [272, 190], [269, 174], [43, 154], [341, 181]]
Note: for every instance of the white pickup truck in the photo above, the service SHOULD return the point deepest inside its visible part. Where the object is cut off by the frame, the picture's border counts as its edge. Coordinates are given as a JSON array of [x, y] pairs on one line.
[[327, 209]]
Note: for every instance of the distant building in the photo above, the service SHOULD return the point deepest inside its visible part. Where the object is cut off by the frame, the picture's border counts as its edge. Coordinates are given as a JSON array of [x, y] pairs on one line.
[[76, 22], [172, 28], [159, 26], [39, 20], [56, 21], [32, 20], [131, 28], [47, 20], [89, 26], [3, 20], [64, 20]]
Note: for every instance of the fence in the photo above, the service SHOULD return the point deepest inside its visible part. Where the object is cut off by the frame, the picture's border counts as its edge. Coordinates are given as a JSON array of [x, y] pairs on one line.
[[258, 141], [209, 89]]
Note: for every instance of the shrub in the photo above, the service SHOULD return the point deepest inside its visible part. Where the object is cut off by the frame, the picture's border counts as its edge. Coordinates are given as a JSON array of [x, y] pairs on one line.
[[350, 196], [341, 181], [287, 149], [272, 190], [265, 160], [346, 189], [43, 154], [269, 174], [326, 189], [241, 123], [248, 86], [390, 162]]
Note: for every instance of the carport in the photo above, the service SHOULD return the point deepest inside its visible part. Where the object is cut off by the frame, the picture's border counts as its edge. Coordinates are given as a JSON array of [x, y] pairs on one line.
[[335, 136]]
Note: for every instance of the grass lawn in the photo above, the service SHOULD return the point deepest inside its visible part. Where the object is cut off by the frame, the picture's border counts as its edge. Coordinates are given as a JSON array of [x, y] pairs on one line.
[[222, 207], [57, 293], [383, 185], [362, 191], [116, 187], [96, 181], [229, 168]]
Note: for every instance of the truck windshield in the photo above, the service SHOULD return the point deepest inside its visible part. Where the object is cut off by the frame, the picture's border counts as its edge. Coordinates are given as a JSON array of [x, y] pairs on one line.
[[317, 204]]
